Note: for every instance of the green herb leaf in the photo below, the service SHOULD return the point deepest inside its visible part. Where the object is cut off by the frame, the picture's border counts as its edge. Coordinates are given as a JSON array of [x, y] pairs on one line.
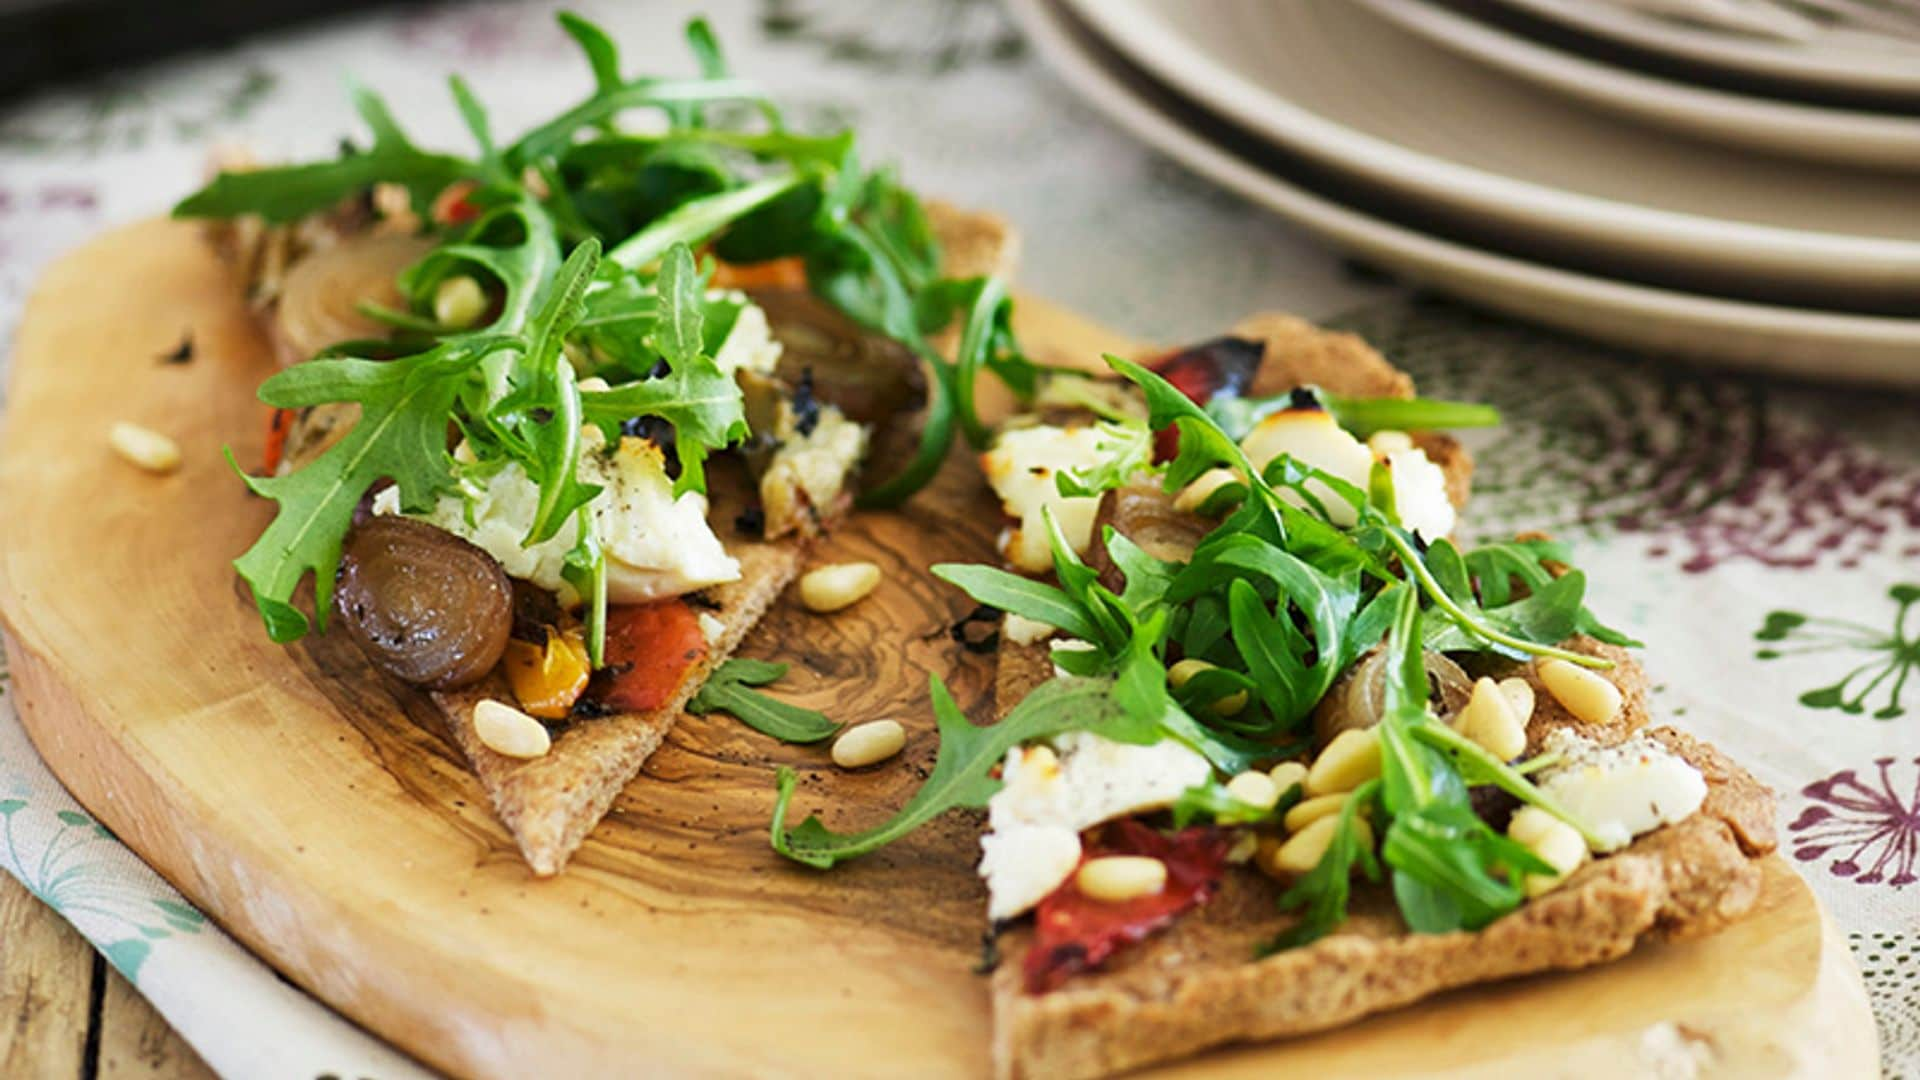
[[729, 690], [966, 756], [1212, 802], [1321, 896]]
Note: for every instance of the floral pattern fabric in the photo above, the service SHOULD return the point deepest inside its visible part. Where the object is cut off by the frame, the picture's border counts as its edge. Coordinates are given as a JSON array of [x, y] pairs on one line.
[[1762, 537]]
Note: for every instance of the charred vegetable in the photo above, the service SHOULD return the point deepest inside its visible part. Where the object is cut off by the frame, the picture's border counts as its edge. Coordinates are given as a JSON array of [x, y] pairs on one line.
[[425, 605]]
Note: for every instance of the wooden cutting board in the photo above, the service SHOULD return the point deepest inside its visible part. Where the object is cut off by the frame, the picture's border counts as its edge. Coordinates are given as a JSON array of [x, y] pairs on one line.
[[315, 812]]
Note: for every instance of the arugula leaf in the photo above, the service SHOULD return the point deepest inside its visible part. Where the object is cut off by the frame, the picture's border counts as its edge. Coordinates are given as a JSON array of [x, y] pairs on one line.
[[1021, 595], [1361, 417], [292, 192], [1212, 802], [1495, 566], [1324, 890], [966, 756], [1125, 448], [729, 689], [401, 435]]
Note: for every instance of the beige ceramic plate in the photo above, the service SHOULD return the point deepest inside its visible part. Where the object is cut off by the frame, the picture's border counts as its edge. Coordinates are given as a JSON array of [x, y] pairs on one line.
[[1510, 167], [1821, 134], [1820, 344], [1838, 63]]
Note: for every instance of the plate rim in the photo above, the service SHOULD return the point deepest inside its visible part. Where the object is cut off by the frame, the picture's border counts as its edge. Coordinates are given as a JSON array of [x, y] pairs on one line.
[[1799, 129], [1350, 228], [1755, 58], [1126, 28]]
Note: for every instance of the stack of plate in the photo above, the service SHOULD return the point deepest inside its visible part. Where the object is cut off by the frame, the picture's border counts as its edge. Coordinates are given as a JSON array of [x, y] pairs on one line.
[[1575, 162]]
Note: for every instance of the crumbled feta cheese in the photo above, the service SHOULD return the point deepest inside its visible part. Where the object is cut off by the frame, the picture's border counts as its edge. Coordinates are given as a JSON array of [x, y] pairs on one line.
[[750, 345], [809, 471], [1311, 437], [1420, 493], [656, 545], [1051, 793], [1021, 467], [1619, 792], [1024, 865], [1024, 631]]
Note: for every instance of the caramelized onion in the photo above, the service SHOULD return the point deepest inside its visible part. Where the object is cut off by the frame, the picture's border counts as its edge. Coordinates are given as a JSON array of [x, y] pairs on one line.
[[1359, 697], [320, 297], [1144, 514], [427, 606]]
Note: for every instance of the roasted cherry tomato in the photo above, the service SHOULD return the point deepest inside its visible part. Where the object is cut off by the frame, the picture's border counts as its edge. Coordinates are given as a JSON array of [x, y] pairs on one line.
[[1223, 367]]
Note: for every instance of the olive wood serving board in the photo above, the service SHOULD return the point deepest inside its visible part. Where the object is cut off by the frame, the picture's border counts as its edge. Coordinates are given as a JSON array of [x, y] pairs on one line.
[[315, 811]]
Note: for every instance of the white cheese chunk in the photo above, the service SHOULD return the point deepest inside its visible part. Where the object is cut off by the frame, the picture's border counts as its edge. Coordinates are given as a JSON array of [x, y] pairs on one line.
[[1053, 792], [1619, 792], [1420, 493], [809, 471], [656, 545], [1024, 865], [750, 344], [1311, 437], [1021, 468]]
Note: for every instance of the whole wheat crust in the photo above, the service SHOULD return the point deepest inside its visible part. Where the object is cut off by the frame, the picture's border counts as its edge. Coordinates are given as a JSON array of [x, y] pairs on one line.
[[1200, 984]]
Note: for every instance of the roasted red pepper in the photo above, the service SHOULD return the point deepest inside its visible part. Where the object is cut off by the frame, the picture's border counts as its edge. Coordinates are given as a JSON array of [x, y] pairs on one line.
[[1073, 932], [650, 650], [454, 205], [1223, 367], [279, 423]]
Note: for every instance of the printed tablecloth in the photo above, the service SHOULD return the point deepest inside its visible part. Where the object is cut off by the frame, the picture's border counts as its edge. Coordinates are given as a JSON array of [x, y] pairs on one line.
[[1762, 537]]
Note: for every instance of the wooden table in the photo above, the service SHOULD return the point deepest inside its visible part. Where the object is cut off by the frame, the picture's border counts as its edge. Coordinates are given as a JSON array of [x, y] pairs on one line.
[[65, 1013]]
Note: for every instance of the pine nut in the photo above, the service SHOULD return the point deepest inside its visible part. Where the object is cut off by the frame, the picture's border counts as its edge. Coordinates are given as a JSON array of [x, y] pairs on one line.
[[1557, 843], [1488, 720], [1383, 443], [458, 302], [1351, 759], [868, 744], [1024, 631], [594, 384], [1287, 774], [1195, 495], [1303, 850], [144, 448], [1116, 879], [1589, 697], [1528, 824], [1254, 788], [1519, 695], [830, 588], [506, 730], [1183, 672], [1306, 812]]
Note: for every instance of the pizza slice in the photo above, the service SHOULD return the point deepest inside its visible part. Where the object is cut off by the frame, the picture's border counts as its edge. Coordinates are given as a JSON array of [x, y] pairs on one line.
[[1274, 750], [557, 423]]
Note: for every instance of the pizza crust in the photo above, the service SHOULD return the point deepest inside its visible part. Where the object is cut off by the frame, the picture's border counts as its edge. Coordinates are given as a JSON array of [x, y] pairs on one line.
[[1200, 984]]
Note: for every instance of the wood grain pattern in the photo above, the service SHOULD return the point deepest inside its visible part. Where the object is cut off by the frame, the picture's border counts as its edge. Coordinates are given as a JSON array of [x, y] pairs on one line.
[[135, 1043], [319, 815], [46, 979]]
